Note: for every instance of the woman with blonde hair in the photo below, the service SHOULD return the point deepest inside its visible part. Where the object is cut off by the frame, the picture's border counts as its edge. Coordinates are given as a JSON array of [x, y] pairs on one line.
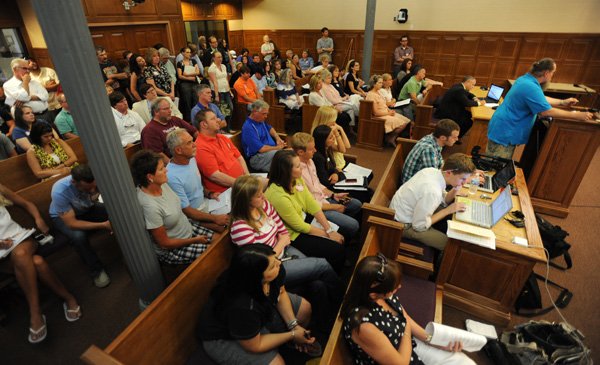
[[394, 123], [327, 115], [157, 75], [386, 90], [317, 98], [286, 90]]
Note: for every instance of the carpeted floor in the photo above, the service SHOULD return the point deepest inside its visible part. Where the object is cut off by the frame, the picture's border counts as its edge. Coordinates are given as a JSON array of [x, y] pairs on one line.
[[108, 311]]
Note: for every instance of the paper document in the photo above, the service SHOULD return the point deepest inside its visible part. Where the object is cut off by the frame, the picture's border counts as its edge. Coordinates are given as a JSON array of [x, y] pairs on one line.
[[260, 174], [401, 103], [221, 206], [333, 226], [483, 329], [351, 180], [189, 70], [469, 233], [16, 240], [442, 335], [355, 170], [491, 105]]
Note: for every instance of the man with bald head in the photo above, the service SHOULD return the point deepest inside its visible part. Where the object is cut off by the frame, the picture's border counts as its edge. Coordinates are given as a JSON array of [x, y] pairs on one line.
[[455, 102]]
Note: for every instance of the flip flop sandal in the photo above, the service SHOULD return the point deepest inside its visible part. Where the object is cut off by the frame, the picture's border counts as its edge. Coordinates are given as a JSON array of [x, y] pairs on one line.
[[39, 335], [72, 312], [314, 349]]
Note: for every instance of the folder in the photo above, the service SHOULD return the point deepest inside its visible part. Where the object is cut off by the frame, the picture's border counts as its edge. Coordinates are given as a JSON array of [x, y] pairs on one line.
[[469, 233]]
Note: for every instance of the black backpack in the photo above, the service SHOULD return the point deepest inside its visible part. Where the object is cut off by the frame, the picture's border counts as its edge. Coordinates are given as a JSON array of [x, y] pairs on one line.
[[542, 342], [553, 238]]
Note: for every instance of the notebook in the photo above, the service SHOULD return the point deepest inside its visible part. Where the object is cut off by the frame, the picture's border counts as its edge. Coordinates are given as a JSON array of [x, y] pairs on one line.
[[483, 214], [494, 94]]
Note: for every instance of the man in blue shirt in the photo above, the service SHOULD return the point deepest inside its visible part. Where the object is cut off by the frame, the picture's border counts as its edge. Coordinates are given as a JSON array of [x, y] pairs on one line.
[[185, 180], [75, 210], [204, 102], [512, 122], [260, 141]]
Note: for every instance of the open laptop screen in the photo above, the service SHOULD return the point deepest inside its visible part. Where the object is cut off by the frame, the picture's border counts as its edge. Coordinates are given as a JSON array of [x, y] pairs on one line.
[[501, 205], [504, 175], [495, 92]]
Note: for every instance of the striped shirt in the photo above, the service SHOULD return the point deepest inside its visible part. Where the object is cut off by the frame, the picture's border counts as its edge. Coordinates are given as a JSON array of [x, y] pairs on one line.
[[243, 234]]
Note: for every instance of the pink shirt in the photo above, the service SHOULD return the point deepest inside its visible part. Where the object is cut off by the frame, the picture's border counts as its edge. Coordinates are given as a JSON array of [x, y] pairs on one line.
[[331, 94], [243, 234], [309, 174]]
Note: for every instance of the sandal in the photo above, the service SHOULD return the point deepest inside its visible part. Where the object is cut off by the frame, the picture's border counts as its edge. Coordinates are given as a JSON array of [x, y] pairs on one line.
[[72, 315], [39, 335]]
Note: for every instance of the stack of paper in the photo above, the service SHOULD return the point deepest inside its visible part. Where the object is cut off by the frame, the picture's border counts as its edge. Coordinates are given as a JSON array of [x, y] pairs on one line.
[[222, 205], [352, 183], [472, 234], [401, 103], [483, 329], [355, 170], [442, 335], [16, 240]]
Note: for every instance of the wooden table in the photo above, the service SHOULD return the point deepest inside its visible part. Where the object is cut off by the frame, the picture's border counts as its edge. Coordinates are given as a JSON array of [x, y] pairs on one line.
[[477, 135], [486, 283], [561, 90]]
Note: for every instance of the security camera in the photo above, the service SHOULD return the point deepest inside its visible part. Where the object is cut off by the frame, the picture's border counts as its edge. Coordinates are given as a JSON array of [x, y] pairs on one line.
[[402, 16]]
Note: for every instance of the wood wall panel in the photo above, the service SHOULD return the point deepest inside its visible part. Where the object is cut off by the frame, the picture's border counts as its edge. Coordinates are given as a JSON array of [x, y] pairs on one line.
[[223, 10]]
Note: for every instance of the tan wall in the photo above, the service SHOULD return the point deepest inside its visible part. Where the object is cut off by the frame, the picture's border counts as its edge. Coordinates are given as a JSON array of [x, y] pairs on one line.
[[553, 16], [34, 31], [234, 25]]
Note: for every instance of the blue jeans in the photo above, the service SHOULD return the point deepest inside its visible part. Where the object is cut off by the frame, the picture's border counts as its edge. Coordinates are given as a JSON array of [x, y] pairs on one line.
[[79, 238], [349, 226], [314, 278]]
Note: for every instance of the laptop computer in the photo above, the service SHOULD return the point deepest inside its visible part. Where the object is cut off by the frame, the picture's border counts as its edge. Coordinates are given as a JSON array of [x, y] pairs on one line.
[[494, 94], [499, 179], [483, 214]]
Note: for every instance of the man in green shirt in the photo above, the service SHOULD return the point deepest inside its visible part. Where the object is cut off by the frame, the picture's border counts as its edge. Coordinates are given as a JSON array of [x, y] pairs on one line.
[[64, 120], [412, 90]]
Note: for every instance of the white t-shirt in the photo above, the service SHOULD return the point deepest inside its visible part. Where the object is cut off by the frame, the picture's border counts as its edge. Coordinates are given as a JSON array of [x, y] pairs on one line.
[[221, 75], [8, 227]]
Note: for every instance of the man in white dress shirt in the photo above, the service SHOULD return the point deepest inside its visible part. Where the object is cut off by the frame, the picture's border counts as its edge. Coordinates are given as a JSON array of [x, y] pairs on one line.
[[422, 201], [142, 107], [21, 90], [129, 123]]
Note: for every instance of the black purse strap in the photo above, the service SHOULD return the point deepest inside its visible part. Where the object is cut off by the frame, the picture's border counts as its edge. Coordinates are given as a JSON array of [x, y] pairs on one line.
[[563, 299], [568, 261]]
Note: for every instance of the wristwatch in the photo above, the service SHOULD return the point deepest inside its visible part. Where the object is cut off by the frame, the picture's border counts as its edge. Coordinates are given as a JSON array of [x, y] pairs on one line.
[[330, 230], [428, 338]]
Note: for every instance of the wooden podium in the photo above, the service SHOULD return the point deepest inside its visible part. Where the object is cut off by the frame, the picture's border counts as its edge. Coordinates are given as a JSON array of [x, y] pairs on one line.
[[563, 159]]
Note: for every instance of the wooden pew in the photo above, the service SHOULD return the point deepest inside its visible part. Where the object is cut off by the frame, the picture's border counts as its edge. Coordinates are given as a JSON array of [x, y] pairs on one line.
[[239, 114], [164, 332], [277, 115], [371, 129], [384, 237], [308, 115], [424, 112], [17, 175], [419, 257]]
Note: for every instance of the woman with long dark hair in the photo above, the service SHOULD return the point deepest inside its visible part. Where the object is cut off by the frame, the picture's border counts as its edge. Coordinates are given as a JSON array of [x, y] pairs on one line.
[[324, 159], [250, 314], [137, 65], [292, 199], [24, 121], [378, 329], [187, 72], [48, 156], [353, 82]]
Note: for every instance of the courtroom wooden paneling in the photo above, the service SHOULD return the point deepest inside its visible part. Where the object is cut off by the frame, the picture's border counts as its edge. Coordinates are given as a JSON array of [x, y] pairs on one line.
[[136, 38], [10, 17], [492, 57], [42, 56], [111, 13], [223, 10]]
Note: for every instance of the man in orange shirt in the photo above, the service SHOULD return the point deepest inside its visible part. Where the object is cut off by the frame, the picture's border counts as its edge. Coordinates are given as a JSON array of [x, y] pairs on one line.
[[219, 161], [246, 89]]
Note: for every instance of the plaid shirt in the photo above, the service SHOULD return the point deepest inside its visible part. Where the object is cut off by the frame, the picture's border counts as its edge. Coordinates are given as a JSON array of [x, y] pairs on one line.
[[426, 153]]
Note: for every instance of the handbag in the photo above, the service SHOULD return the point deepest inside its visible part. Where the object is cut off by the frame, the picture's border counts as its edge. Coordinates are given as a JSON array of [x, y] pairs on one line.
[[531, 297]]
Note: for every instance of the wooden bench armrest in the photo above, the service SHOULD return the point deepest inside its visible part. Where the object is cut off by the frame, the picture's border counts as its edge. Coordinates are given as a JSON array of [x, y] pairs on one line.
[[439, 297], [411, 248], [96, 356], [418, 265], [350, 158]]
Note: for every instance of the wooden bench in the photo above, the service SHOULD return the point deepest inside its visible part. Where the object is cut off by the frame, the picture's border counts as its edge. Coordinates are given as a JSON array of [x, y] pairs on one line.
[[419, 257], [239, 113], [277, 115], [16, 173], [371, 129], [164, 332], [415, 294], [424, 124], [309, 112]]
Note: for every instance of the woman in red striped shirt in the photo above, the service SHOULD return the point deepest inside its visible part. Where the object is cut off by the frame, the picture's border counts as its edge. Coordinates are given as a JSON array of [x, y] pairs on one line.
[[254, 220]]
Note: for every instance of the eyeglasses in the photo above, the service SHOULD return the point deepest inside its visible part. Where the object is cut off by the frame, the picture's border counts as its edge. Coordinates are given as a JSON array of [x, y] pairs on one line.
[[381, 270]]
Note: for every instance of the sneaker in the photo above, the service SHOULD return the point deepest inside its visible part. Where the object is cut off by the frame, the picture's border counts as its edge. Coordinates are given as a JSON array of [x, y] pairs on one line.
[[102, 280]]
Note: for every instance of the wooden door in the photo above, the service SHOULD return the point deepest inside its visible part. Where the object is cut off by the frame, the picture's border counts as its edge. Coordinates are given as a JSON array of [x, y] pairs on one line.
[[136, 38]]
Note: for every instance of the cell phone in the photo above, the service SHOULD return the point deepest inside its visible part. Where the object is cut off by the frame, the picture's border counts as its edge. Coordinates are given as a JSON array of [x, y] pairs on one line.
[[351, 180], [307, 335]]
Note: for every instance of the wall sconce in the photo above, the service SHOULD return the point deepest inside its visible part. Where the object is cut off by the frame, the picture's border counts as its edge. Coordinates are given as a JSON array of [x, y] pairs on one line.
[[128, 4]]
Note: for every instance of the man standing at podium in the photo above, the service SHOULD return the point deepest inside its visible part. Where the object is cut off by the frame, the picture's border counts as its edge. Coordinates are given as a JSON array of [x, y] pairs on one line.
[[512, 122]]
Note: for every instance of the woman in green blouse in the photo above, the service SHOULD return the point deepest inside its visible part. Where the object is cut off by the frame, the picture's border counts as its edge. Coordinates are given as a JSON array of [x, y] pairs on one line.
[[296, 206]]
